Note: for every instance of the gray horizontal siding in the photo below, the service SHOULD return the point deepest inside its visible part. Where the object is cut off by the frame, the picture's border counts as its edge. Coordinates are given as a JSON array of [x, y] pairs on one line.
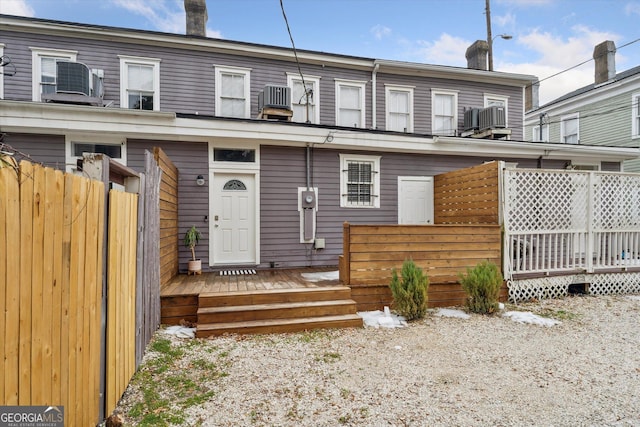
[[46, 149], [193, 201]]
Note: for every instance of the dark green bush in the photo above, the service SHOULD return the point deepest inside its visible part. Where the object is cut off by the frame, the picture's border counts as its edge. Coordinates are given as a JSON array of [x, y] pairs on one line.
[[482, 285], [410, 291]]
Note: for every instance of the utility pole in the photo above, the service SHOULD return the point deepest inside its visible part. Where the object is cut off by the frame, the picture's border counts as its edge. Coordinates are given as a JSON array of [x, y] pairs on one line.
[[489, 36]]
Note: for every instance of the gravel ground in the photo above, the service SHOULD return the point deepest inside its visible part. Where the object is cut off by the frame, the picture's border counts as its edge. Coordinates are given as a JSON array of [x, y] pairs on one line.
[[483, 371]]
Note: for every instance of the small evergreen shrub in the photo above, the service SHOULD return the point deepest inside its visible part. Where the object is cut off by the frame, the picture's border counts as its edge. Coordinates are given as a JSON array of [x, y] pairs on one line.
[[410, 291], [482, 285]]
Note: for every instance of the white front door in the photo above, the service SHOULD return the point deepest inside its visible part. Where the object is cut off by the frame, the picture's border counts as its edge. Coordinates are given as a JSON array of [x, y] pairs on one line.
[[415, 200], [233, 224]]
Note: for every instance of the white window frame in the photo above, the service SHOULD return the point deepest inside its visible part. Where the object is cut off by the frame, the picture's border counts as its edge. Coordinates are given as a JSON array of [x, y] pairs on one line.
[[1, 72], [492, 99], [535, 135], [635, 115], [314, 82], [71, 160], [388, 107], [125, 61], [361, 85], [563, 120], [246, 73], [345, 159], [448, 92], [37, 54]]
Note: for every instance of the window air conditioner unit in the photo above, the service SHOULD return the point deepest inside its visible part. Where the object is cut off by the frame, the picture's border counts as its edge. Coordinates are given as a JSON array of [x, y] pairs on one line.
[[274, 96], [492, 117], [471, 119], [77, 78]]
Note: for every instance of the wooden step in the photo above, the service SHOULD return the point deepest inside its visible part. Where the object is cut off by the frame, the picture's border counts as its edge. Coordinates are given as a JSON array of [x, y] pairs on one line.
[[273, 296], [279, 325], [287, 310]]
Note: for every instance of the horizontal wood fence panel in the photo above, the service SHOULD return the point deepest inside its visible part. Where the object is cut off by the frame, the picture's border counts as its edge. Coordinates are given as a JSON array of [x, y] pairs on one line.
[[168, 216], [50, 281], [401, 256]]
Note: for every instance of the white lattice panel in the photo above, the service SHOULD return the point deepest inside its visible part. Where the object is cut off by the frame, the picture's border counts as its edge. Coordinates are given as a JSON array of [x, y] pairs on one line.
[[540, 288], [616, 204], [615, 283]]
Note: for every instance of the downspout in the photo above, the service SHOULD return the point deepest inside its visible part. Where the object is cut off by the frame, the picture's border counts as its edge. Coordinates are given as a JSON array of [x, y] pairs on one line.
[[374, 75]]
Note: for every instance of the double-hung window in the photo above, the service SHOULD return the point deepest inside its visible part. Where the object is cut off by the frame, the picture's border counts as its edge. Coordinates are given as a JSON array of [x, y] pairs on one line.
[[139, 83], [359, 181], [350, 105], [232, 87], [304, 103], [536, 137], [569, 129], [44, 70], [399, 100], [635, 112], [444, 104]]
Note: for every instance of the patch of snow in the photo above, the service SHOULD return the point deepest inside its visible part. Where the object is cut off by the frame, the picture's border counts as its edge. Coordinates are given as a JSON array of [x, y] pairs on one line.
[[321, 275], [450, 312], [180, 331], [383, 319], [529, 317]]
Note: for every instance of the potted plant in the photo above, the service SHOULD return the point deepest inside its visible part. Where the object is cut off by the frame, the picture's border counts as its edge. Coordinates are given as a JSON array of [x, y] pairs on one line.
[[191, 239]]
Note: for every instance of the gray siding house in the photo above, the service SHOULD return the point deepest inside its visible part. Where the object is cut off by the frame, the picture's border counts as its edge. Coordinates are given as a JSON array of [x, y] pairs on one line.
[[604, 113], [285, 163]]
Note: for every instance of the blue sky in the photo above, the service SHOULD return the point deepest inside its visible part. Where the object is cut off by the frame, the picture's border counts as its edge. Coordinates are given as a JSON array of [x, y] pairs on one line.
[[548, 35]]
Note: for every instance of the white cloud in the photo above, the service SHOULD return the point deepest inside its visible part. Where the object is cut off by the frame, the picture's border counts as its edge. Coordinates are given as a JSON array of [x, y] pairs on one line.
[[16, 7], [447, 50], [507, 20], [380, 32], [632, 8]]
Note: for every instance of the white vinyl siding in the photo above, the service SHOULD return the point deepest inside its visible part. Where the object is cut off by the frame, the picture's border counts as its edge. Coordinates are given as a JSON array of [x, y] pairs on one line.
[[569, 129], [302, 102], [350, 105], [359, 181], [232, 92], [399, 108], [635, 108], [445, 112], [44, 70], [498, 101], [139, 83]]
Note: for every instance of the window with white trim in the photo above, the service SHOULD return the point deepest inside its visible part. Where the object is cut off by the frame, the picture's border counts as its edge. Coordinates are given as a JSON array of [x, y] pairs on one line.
[[498, 101], [232, 87], [305, 105], [635, 108], [350, 104], [569, 129], [77, 145], [44, 70], [444, 105], [139, 83], [535, 136], [359, 181], [399, 108]]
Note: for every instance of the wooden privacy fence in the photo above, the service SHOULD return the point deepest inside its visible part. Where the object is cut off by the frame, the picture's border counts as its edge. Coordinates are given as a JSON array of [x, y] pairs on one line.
[[371, 252], [51, 239], [168, 216]]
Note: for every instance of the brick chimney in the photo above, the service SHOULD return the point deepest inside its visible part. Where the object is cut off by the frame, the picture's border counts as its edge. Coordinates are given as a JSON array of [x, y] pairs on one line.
[[196, 11], [604, 56], [477, 55]]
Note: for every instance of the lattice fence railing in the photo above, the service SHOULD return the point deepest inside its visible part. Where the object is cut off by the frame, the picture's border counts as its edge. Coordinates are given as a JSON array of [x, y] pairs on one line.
[[571, 222]]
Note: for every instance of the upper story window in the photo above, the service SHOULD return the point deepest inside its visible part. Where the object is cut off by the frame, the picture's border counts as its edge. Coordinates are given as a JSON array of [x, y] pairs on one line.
[[498, 101], [232, 92], [139, 83], [444, 104], [350, 106], [635, 108], [569, 129], [359, 181], [44, 70], [399, 100], [305, 104], [536, 137]]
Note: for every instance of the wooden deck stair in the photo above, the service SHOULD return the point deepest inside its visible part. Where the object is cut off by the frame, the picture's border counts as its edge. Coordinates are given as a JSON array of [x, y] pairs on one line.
[[276, 310]]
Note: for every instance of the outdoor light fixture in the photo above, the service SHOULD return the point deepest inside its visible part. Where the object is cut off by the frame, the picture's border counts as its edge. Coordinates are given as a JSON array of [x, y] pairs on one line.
[[200, 180]]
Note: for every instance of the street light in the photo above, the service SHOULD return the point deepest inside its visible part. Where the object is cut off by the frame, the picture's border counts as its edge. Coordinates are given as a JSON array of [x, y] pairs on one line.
[[502, 36]]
